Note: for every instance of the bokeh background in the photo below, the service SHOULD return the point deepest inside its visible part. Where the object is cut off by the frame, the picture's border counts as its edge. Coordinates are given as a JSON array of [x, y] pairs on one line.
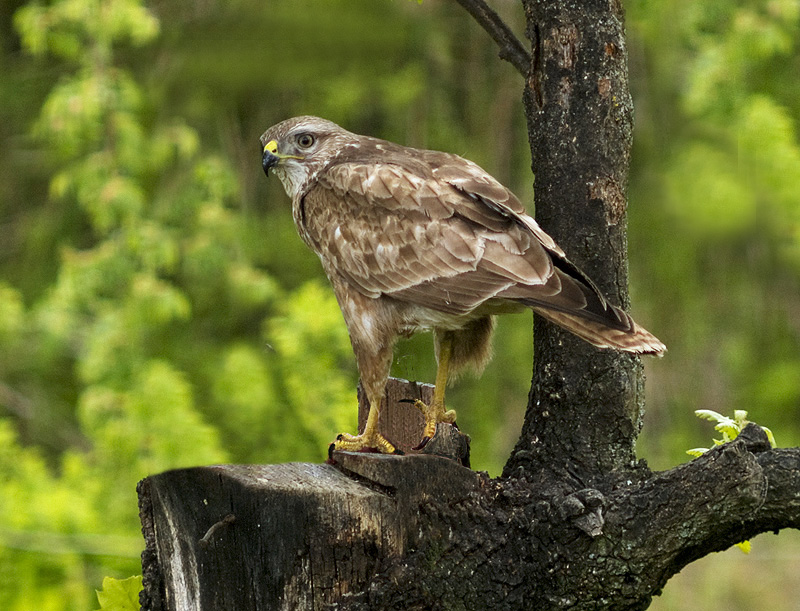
[[157, 309]]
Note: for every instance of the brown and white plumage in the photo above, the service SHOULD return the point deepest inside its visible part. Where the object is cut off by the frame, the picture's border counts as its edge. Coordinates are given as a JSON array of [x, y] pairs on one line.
[[416, 240]]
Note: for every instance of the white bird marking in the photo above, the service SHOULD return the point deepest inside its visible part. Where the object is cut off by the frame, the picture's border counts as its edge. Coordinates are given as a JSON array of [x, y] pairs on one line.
[[366, 323]]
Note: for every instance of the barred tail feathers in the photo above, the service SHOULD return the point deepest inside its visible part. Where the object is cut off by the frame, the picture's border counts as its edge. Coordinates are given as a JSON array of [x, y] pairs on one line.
[[634, 339]]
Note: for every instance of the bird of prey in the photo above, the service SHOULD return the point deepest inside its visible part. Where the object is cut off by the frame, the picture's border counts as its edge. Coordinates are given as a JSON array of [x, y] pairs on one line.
[[415, 240]]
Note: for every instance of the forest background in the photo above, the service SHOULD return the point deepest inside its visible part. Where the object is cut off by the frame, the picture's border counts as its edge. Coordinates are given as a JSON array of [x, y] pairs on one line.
[[157, 309]]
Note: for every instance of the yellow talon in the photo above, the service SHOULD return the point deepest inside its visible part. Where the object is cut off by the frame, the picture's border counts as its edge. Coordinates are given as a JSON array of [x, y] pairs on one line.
[[434, 414], [364, 443]]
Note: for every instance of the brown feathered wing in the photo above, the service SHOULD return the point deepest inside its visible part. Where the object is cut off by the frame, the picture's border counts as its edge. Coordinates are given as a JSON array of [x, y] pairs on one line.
[[446, 236]]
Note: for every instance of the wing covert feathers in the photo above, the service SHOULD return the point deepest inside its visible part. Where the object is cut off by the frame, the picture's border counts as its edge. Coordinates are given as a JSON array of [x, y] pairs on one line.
[[436, 231]]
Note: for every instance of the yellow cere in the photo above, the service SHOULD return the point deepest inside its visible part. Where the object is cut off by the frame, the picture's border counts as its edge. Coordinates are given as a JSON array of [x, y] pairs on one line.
[[271, 146]]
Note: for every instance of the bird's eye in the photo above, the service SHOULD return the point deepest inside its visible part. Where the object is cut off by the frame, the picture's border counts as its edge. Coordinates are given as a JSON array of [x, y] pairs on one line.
[[305, 140]]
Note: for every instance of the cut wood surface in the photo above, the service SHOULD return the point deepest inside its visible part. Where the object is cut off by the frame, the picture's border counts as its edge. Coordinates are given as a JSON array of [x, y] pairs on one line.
[[368, 532], [290, 536], [296, 535]]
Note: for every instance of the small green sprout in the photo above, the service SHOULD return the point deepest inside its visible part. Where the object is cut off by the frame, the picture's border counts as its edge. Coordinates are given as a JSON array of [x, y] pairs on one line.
[[730, 429]]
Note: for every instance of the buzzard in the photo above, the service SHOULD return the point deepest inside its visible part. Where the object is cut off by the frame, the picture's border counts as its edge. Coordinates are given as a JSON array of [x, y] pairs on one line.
[[415, 240]]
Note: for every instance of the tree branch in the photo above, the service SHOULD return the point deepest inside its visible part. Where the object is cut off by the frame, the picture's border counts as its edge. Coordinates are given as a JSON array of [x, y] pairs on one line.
[[781, 508], [511, 49], [732, 493]]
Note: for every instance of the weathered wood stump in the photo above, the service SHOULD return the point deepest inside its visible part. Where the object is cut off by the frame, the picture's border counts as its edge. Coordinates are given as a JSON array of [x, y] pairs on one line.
[[370, 532], [297, 535], [291, 536]]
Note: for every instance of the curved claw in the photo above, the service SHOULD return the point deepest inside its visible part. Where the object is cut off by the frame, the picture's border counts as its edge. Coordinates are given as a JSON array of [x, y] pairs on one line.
[[434, 414], [422, 443]]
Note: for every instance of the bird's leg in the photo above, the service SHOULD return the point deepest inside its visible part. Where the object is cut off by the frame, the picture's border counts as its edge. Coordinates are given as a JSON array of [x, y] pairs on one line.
[[373, 365], [372, 347], [370, 439], [435, 412]]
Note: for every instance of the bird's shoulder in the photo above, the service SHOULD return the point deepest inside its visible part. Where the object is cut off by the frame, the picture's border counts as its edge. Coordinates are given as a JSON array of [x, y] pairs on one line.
[[382, 170], [438, 184]]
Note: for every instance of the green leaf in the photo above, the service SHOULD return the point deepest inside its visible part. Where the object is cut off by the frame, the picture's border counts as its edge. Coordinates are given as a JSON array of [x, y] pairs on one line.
[[697, 452], [770, 436], [709, 414], [744, 546], [730, 430], [740, 415], [120, 594]]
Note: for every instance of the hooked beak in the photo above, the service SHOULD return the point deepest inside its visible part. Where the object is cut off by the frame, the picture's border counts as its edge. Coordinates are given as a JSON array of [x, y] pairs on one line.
[[269, 158]]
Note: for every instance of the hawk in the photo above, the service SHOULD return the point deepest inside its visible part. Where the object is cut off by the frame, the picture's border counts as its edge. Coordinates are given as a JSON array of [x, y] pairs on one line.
[[415, 240]]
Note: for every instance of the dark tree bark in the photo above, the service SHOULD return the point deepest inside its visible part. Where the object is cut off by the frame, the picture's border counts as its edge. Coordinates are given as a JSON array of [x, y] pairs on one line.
[[575, 522], [585, 406], [424, 533]]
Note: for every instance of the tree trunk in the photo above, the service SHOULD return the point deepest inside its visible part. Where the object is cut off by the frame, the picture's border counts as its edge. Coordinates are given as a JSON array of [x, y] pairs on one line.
[[574, 522], [585, 405]]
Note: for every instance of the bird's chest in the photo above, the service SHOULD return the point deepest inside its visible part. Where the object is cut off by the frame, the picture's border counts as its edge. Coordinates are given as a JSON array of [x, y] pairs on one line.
[[337, 229]]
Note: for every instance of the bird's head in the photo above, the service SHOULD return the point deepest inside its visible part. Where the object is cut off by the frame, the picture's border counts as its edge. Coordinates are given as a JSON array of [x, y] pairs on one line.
[[297, 149]]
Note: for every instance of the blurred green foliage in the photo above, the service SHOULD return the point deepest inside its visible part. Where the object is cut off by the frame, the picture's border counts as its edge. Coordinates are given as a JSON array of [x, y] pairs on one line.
[[120, 594], [157, 309], [715, 211]]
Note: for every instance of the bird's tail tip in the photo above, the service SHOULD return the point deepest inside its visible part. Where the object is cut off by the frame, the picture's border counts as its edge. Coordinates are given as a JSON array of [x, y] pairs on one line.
[[634, 339], [644, 342]]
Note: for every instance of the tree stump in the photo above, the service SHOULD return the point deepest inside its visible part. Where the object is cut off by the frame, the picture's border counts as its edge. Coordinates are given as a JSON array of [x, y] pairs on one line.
[[296, 535], [291, 536], [421, 532]]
